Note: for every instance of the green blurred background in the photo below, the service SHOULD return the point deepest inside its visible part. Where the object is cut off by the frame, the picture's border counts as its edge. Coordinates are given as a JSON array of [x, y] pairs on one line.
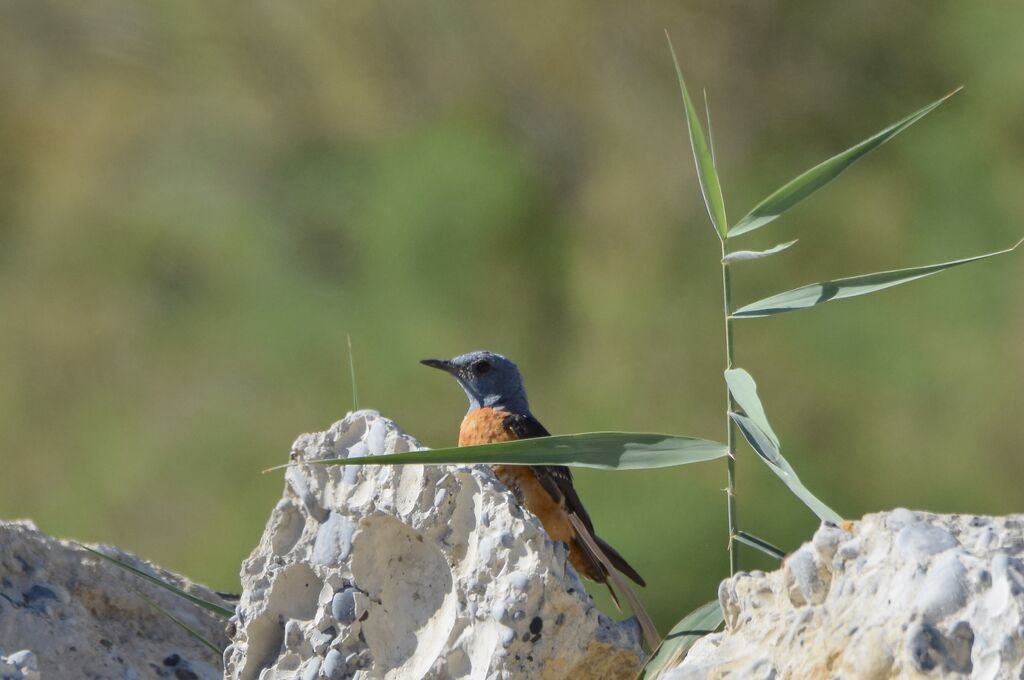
[[200, 200]]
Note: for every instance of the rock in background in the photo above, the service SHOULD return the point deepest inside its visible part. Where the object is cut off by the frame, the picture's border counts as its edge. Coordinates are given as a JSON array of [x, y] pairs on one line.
[[21, 665], [66, 613], [901, 595], [413, 572]]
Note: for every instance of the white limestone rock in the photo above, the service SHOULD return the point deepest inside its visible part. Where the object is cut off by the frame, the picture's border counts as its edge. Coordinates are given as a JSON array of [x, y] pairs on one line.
[[412, 572], [65, 613], [900, 595], [21, 665]]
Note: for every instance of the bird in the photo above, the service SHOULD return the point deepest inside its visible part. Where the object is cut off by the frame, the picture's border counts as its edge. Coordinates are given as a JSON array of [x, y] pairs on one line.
[[499, 412]]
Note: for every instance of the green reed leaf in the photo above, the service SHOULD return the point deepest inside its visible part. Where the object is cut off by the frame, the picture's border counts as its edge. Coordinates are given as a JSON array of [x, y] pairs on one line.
[[695, 625], [711, 134], [192, 632], [760, 544], [769, 453], [820, 293], [804, 185], [744, 392], [710, 187], [220, 610], [600, 450], [745, 255]]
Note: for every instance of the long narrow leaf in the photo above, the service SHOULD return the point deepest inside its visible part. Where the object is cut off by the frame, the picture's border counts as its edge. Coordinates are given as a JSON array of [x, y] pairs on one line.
[[181, 624], [820, 293], [647, 627], [744, 392], [698, 623], [804, 185], [769, 453], [710, 187], [745, 255], [711, 133], [601, 450], [760, 544], [205, 604]]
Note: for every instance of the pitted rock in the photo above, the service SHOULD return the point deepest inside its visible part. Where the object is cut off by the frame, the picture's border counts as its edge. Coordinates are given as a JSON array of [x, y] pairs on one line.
[[414, 571], [66, 613], [899, 595]]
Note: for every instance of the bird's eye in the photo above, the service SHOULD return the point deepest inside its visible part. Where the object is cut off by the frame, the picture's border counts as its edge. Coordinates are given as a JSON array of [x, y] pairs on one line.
[[481, 367]]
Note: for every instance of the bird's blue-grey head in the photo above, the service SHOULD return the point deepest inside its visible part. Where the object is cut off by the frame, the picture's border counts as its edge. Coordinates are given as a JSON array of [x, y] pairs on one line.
[[489, 379]]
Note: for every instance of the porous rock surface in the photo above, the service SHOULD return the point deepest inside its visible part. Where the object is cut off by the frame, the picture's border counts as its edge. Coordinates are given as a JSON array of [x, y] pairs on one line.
[[899, 595], [412, 572], [66, 613]]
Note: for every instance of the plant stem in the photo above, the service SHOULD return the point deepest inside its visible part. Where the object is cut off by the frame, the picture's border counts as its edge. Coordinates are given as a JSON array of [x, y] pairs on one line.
[[731, 406]]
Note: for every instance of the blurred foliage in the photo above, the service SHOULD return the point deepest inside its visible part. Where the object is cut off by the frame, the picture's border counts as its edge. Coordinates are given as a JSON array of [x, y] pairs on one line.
[[199, 200]]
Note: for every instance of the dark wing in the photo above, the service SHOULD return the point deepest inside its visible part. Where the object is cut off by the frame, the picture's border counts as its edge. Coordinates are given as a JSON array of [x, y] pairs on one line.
[[524, 426], [556, 479]]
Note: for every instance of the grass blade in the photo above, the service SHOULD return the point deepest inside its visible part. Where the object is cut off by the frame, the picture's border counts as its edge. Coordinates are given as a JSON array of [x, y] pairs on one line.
[[760, 544], [710, 188], [650, 633], [744, 392], [352, 373], [711, 134], [184, 626], [820, 293], [745, 255], [695, 625], [770, 454], [600, 450], [205, 604], [804, 185]]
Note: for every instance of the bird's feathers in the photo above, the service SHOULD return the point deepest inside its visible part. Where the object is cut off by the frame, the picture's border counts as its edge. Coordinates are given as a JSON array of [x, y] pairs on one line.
[[557, 481]]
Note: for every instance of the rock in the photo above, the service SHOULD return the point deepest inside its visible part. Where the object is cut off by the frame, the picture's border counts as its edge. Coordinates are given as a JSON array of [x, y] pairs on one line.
[[412, 572], [75, 615], [900, 595], [19, 666]]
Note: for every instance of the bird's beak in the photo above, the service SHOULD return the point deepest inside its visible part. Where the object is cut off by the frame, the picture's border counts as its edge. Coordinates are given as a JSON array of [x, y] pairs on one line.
[[443, 364]]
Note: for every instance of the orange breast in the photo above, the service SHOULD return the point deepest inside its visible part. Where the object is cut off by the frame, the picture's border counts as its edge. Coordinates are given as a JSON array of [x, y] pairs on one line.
[[484, 426]]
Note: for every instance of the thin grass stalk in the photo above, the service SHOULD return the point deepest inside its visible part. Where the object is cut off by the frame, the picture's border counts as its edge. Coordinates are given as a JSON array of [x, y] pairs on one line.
[[730, 490], [352, 373]]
